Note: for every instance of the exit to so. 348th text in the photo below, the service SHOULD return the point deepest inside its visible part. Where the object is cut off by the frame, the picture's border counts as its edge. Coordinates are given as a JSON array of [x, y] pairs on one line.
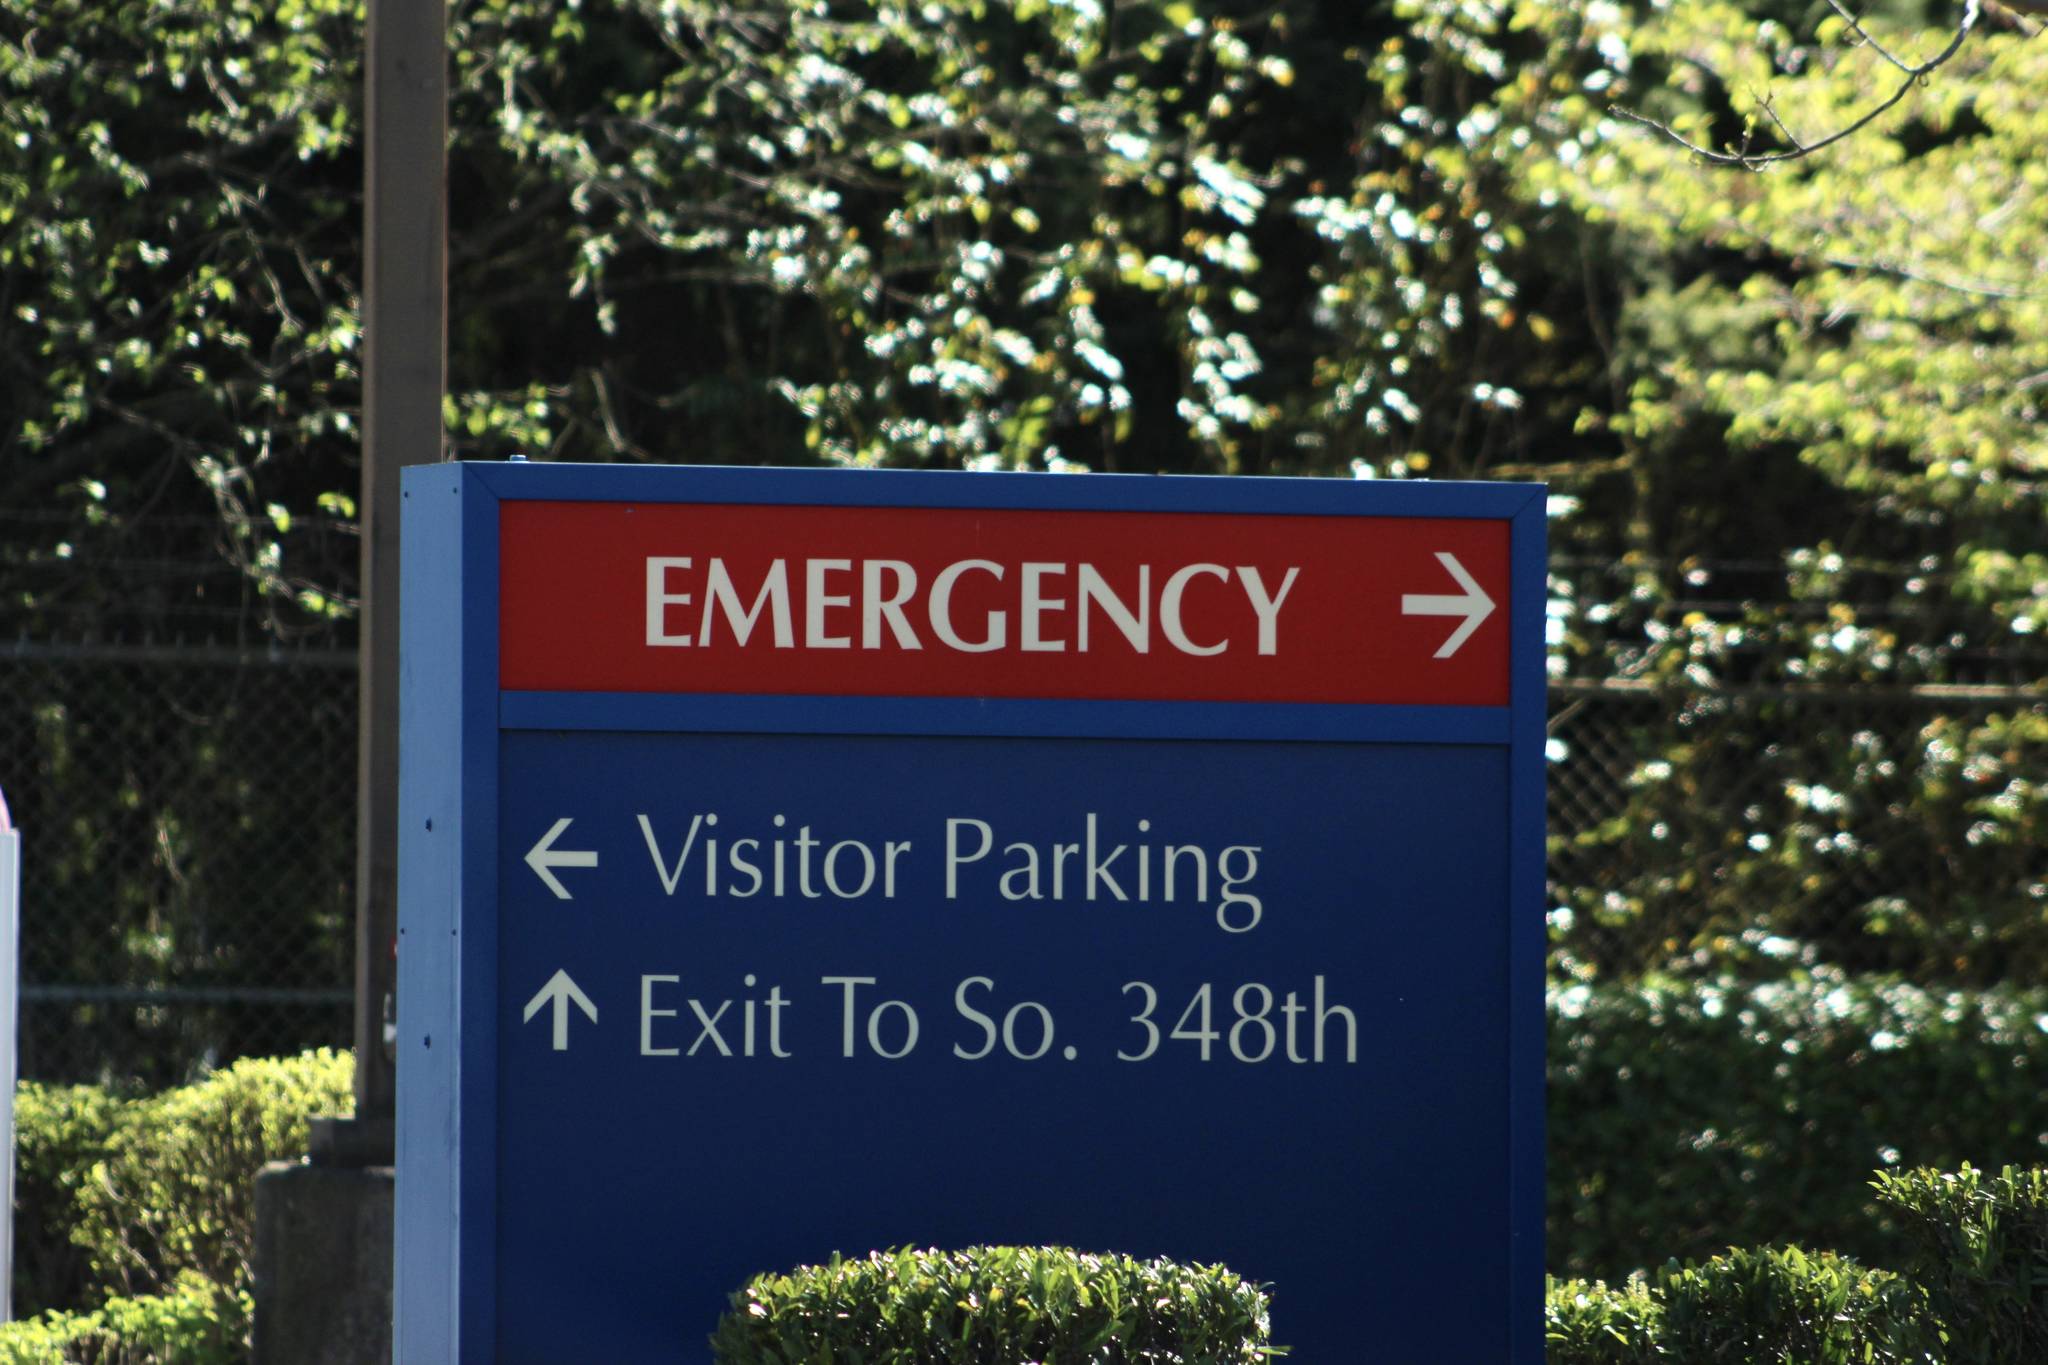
[[852, 1017]]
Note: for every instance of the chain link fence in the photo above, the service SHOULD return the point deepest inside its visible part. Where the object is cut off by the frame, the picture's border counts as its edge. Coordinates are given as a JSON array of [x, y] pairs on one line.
[[1895, 831], [188, 835], [188, 817]]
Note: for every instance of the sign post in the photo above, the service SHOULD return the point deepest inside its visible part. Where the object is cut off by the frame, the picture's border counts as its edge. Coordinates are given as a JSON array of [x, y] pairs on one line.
[[808, 861], [10, 1041]]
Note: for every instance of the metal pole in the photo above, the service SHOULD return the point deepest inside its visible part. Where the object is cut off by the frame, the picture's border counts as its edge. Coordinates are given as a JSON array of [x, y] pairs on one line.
[[404, 360]]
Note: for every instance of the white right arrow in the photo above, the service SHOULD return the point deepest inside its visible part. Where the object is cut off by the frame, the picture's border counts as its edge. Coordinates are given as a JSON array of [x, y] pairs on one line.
[[544, 858], [1474, 605], [559, 991]]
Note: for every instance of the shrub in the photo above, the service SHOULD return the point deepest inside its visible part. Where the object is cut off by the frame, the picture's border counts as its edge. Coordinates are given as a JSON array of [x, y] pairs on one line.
[[1588, 1323], [1688, 1117], [996, 1306], [1979, 1248], [197, 1323], [60, 1134], [1775, 1306], [1788, 1307], [176, 1190]]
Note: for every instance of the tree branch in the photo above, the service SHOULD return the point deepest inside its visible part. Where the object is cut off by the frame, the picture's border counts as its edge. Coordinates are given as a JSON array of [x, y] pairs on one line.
[[1751, 161]]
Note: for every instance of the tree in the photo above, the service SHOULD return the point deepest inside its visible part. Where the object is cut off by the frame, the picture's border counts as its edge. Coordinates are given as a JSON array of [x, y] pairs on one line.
[[177, 217], [1790, 419]]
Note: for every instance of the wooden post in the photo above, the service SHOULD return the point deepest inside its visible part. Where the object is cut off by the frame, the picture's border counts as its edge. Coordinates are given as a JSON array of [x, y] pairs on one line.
[[404, 360]]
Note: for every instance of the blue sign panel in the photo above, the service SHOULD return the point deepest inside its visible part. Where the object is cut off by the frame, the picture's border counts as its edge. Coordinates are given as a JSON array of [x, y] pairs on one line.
[[698, 982]]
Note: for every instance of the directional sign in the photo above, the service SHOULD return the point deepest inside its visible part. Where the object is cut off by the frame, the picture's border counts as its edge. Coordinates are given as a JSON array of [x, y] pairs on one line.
[[560, 992], [544, 857], [799, 863], [1471, 607]]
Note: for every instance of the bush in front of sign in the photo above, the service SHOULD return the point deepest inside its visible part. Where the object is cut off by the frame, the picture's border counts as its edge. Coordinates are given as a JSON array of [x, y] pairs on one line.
[[1970, 1291], [1764, 1306], [194, 1324], [60, 1133], [176, 1189], [134, 1216], [1589, 1322], [1978, 1246], [997, 1306], [1783, 1304]]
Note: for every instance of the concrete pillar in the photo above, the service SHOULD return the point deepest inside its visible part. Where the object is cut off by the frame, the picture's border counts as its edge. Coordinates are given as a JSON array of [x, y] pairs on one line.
[[323, 1265]]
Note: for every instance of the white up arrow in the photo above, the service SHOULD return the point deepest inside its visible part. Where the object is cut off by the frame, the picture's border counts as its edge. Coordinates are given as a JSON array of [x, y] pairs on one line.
[[1474, 605], [559, 991], [544, 858]]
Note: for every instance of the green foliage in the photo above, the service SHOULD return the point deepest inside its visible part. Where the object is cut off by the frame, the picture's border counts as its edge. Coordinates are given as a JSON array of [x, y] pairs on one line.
[[1023, 235], [1767, 1306], [178, 211], [1784, 1306], [1765, 830], [195, 1323], [1838, 357], [145, 1207], [60, 1134], [1688, 1117], [995, 1306], [1979, 1248], [1152, 236], [176, 1190], [1889, 285], [1590, 1323]]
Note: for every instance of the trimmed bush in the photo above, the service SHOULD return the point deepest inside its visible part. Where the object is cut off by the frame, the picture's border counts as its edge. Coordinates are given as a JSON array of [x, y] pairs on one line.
[[176, 1190], [60, 1134], [1689, 1117], [1788, 1307], [151, 1200], [1774, 1306], [996, 1306], [195, 1324], [1979, 1248], [1588, 1323]]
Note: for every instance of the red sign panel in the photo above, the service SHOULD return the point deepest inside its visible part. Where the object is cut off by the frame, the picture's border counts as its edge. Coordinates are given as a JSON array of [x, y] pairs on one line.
[[919, 601]]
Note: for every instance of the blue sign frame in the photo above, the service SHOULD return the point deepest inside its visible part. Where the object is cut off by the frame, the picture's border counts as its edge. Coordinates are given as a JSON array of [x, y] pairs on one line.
[[458, 728]]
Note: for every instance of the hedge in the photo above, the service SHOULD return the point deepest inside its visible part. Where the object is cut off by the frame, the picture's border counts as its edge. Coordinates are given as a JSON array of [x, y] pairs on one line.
[[176, 1189], [1974, 1291], [1590, 1323], [146, 1207], [196, 1323], [1773, 1306], [996, 1306], [1687, 1118], [60, 1134], [1978, 1247]]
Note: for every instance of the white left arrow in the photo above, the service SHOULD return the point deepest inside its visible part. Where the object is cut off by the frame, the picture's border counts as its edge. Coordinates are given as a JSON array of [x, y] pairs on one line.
[[559, 991], [1474, 605], [544, 858]]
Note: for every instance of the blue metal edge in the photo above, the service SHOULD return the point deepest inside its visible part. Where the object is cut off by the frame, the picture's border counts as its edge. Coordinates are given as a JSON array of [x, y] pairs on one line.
[[444, 1308], [525, 480], [427, 1258], [480, 1005], [1528, 936], [1003, 717]]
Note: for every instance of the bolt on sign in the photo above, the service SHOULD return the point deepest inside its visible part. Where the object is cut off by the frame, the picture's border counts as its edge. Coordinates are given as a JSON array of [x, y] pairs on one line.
[[800, 862]]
